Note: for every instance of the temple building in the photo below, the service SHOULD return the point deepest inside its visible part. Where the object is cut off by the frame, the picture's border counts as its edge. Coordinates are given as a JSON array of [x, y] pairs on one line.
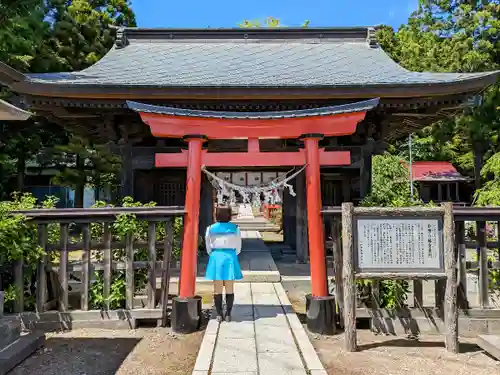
[[247, 100], [439, 181]]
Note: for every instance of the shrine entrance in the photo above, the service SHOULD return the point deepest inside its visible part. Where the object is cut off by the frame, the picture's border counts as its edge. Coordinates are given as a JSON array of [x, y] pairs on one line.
[[200, 127]]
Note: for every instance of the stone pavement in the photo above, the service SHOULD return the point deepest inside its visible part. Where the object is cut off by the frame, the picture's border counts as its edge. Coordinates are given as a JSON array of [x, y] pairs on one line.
[[245, 211], [256, 261], [265, 337]]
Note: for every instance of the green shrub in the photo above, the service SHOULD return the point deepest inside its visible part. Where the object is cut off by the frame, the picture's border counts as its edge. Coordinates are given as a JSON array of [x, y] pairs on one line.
[[390, 188], [19, 240], [124, 225]]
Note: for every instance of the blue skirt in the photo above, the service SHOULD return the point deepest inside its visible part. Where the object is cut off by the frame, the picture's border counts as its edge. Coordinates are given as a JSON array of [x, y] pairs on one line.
[[223, 265]]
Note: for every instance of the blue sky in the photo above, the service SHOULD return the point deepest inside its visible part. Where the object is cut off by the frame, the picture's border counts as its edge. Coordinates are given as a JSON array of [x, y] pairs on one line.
[[225, 13]]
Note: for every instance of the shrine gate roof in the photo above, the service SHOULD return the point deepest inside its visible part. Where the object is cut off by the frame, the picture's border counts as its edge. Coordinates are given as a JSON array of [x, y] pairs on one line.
[[321, 111], [344, 61]]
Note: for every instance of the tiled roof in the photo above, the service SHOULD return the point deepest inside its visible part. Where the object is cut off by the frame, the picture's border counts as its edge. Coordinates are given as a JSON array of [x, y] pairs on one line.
[[322, 111], [435, 171], [244, 58]]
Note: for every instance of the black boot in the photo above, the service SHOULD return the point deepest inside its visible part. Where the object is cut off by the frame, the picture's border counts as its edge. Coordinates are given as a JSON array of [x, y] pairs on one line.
[[229, 306], [218, 306]]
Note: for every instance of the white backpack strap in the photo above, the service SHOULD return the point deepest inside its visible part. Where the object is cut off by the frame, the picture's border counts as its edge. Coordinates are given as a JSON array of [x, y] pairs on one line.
[[208, 241]]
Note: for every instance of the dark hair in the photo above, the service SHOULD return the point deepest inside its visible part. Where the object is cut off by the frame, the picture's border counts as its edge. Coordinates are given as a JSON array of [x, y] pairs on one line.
[[223, 214]]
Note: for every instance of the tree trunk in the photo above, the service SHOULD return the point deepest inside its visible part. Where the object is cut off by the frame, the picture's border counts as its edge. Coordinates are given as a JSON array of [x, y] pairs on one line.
[[97, 193], [21, 171], [127, 173], [478, 151]]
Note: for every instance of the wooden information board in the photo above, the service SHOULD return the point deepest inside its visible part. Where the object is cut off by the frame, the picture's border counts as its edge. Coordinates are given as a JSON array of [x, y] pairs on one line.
[[398, 244]]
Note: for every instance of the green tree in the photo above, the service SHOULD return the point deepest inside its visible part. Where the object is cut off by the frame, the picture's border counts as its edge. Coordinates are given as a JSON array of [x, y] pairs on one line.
[[268, 22], [23, 40], [390, 183], [21, 143], [55, 35], [13, 8], [82, 30], [489, 194], [82, 33], [444, 36], [85, 164], [23, 45], [447, 35]]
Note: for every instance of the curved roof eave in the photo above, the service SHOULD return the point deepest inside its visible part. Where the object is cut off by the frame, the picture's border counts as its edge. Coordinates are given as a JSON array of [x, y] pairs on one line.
[[137, 92], [9, 112], [362, 106]]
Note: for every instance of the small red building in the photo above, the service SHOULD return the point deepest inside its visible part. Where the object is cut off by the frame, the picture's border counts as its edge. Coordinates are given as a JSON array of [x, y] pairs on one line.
[[439, 181]]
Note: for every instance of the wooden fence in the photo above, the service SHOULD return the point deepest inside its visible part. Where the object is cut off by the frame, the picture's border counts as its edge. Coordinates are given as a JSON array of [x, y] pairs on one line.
[[476, 236], [477, 252], [52, 287]]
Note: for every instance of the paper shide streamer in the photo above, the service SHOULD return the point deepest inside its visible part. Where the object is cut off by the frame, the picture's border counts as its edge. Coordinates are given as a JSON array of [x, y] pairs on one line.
[[269, 193]]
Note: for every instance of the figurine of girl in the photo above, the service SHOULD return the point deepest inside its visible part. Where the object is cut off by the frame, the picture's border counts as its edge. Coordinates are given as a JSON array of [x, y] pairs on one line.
[[223, 243]]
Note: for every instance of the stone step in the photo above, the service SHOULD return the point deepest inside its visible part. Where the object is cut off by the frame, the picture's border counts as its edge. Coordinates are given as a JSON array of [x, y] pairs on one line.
[[19, 350], [491, 344], [253, 234], [254, 223], [257, 265], [246, 220], [263, 229], [258, 226], [256, 219], [249, 276], [10, 330]]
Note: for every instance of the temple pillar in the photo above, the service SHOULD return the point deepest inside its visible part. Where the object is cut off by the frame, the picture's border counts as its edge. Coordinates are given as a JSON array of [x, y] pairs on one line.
[[206, 205], [288, 219], [186, 308], [127, 172], [301, 242], [292, 218], [320, 305], [366, 169]]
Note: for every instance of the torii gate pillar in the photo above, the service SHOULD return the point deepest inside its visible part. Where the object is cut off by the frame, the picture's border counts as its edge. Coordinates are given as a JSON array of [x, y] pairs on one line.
[[186, 308], [320, 304]]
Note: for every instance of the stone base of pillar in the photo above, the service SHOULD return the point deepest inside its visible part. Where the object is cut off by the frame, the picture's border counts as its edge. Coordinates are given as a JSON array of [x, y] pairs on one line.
[[321, 314], [186, 315]]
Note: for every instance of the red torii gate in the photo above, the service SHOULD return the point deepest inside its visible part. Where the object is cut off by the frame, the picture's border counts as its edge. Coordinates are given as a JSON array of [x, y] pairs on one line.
[[196, 127]]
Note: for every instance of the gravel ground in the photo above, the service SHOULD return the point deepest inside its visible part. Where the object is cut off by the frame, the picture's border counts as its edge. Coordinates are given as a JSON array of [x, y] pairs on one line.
[[151, 351], [396, 355], [383, 355]]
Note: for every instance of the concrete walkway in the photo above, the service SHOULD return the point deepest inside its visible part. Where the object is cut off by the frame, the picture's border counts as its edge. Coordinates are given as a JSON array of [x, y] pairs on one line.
[[245, 211], [264, 338], [255, 259]]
